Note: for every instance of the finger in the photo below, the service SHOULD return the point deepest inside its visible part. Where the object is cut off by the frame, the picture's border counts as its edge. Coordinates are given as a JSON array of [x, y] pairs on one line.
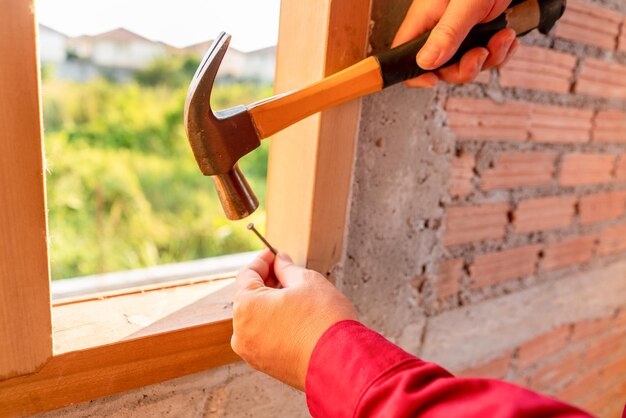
[[248, 280], [287, 273], [466, 70], [499, 46], [421, 17], [254, 276], [457, 20], [428, 80], [511, 52], [262, 264]]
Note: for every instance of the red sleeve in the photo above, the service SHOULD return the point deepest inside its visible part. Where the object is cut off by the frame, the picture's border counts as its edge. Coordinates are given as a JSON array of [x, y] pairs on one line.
[[355, 372]]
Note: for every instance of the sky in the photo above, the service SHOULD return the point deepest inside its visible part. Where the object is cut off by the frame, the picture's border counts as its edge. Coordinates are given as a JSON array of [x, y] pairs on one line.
[[252, 23]]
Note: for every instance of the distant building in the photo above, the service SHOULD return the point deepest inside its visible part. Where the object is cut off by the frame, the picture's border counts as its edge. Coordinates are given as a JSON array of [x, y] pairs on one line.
[[119, 53], [118, 48], [259, 65], [52, 46]]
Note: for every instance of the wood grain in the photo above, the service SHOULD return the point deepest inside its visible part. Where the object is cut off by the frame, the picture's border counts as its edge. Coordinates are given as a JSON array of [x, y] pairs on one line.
[[115, 343], [111, 318], [25, 325], [275, 114], [310, 163]]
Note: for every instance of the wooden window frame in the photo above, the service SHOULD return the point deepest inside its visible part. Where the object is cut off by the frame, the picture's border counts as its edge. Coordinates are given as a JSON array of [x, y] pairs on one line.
[[75, 350]]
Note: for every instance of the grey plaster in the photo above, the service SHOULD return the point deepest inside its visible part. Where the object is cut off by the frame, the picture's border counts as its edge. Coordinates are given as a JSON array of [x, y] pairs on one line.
[[491, 327], [233, 391]]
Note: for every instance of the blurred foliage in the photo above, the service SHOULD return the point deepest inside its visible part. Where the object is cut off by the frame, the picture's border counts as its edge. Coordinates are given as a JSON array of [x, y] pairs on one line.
[[169, 71], [124, 190]]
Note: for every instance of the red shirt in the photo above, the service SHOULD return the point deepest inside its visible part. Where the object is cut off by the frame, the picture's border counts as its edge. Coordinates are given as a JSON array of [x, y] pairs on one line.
[[355, 372]]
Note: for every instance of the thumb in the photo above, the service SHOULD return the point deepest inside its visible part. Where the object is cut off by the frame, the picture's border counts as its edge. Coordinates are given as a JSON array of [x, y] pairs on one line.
[[287, 273]]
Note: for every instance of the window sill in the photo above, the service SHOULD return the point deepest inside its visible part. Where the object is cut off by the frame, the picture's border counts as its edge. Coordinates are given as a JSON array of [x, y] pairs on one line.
[[114, 342], [164, 273]]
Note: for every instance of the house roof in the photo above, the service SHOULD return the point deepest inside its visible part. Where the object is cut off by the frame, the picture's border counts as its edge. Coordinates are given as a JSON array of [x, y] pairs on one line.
[[121, 35], [49, 29], [202, 47], [262, 51]]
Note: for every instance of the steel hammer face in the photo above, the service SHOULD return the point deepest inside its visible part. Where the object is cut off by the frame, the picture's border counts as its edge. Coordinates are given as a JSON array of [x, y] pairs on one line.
[[220, 139]]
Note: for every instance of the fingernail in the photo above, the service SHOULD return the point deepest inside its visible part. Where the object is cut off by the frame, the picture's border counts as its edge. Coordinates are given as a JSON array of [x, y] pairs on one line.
[[427, 58], [481, 60], [509, 41], [509, 54], [284, 256]]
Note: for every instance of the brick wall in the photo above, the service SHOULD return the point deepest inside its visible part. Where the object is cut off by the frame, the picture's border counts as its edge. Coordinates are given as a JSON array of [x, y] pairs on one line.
[[538, 193]]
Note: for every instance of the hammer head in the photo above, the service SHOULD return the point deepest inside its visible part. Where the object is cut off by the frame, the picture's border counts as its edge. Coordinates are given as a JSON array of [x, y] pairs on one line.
[[220, 139]]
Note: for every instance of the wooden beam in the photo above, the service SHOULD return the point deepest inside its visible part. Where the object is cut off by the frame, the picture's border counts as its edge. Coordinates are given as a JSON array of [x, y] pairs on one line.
[[25, 324], [310, 168], [109, 344], [80, 376]]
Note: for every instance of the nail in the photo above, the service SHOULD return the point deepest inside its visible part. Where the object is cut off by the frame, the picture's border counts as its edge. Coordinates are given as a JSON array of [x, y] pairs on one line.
[[509, 54], [481, 60], [284, 256], [427, 58], [262, 238]]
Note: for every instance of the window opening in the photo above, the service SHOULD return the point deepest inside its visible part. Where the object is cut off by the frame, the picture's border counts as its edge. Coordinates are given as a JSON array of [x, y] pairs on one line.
[[124, 191]]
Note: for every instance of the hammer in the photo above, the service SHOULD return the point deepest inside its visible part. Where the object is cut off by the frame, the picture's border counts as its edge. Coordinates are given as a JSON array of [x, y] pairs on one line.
[[219, 139]]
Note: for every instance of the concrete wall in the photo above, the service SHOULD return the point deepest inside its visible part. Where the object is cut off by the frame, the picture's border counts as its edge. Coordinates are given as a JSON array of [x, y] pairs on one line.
[[453, 251]]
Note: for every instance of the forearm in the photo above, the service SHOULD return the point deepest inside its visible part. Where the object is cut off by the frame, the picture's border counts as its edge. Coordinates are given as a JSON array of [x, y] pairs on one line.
[[355, 372]]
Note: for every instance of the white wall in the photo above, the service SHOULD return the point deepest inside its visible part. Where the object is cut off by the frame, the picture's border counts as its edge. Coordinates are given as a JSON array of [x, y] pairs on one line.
[[260, 65], [133, 54], [52, 46]]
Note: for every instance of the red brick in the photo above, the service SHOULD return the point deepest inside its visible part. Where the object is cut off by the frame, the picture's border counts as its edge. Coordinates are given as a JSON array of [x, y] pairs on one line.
[[612, 240], [461, 173], [484, 77], [559, 370], [615, 369], [578, 388], [609, 126], [485, 120], [544, 213], [606, 402], [620, 168], [475, 223], [568, 252], [449, 277], [538, 68], [558, 124], [579, 169], [602, 78], [601, 207], [494, 268], [620, 319], [516, 169], [621, 43], [492, 369], [605, 348], [542, 346], [591, 328], [589, 24]]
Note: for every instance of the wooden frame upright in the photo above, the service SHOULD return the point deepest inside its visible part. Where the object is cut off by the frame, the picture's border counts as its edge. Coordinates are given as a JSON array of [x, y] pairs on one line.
[[53, 356]]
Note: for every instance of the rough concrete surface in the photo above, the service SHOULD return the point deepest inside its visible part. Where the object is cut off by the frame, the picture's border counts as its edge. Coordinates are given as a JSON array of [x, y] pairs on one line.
[[233, 391], [491, 327]]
